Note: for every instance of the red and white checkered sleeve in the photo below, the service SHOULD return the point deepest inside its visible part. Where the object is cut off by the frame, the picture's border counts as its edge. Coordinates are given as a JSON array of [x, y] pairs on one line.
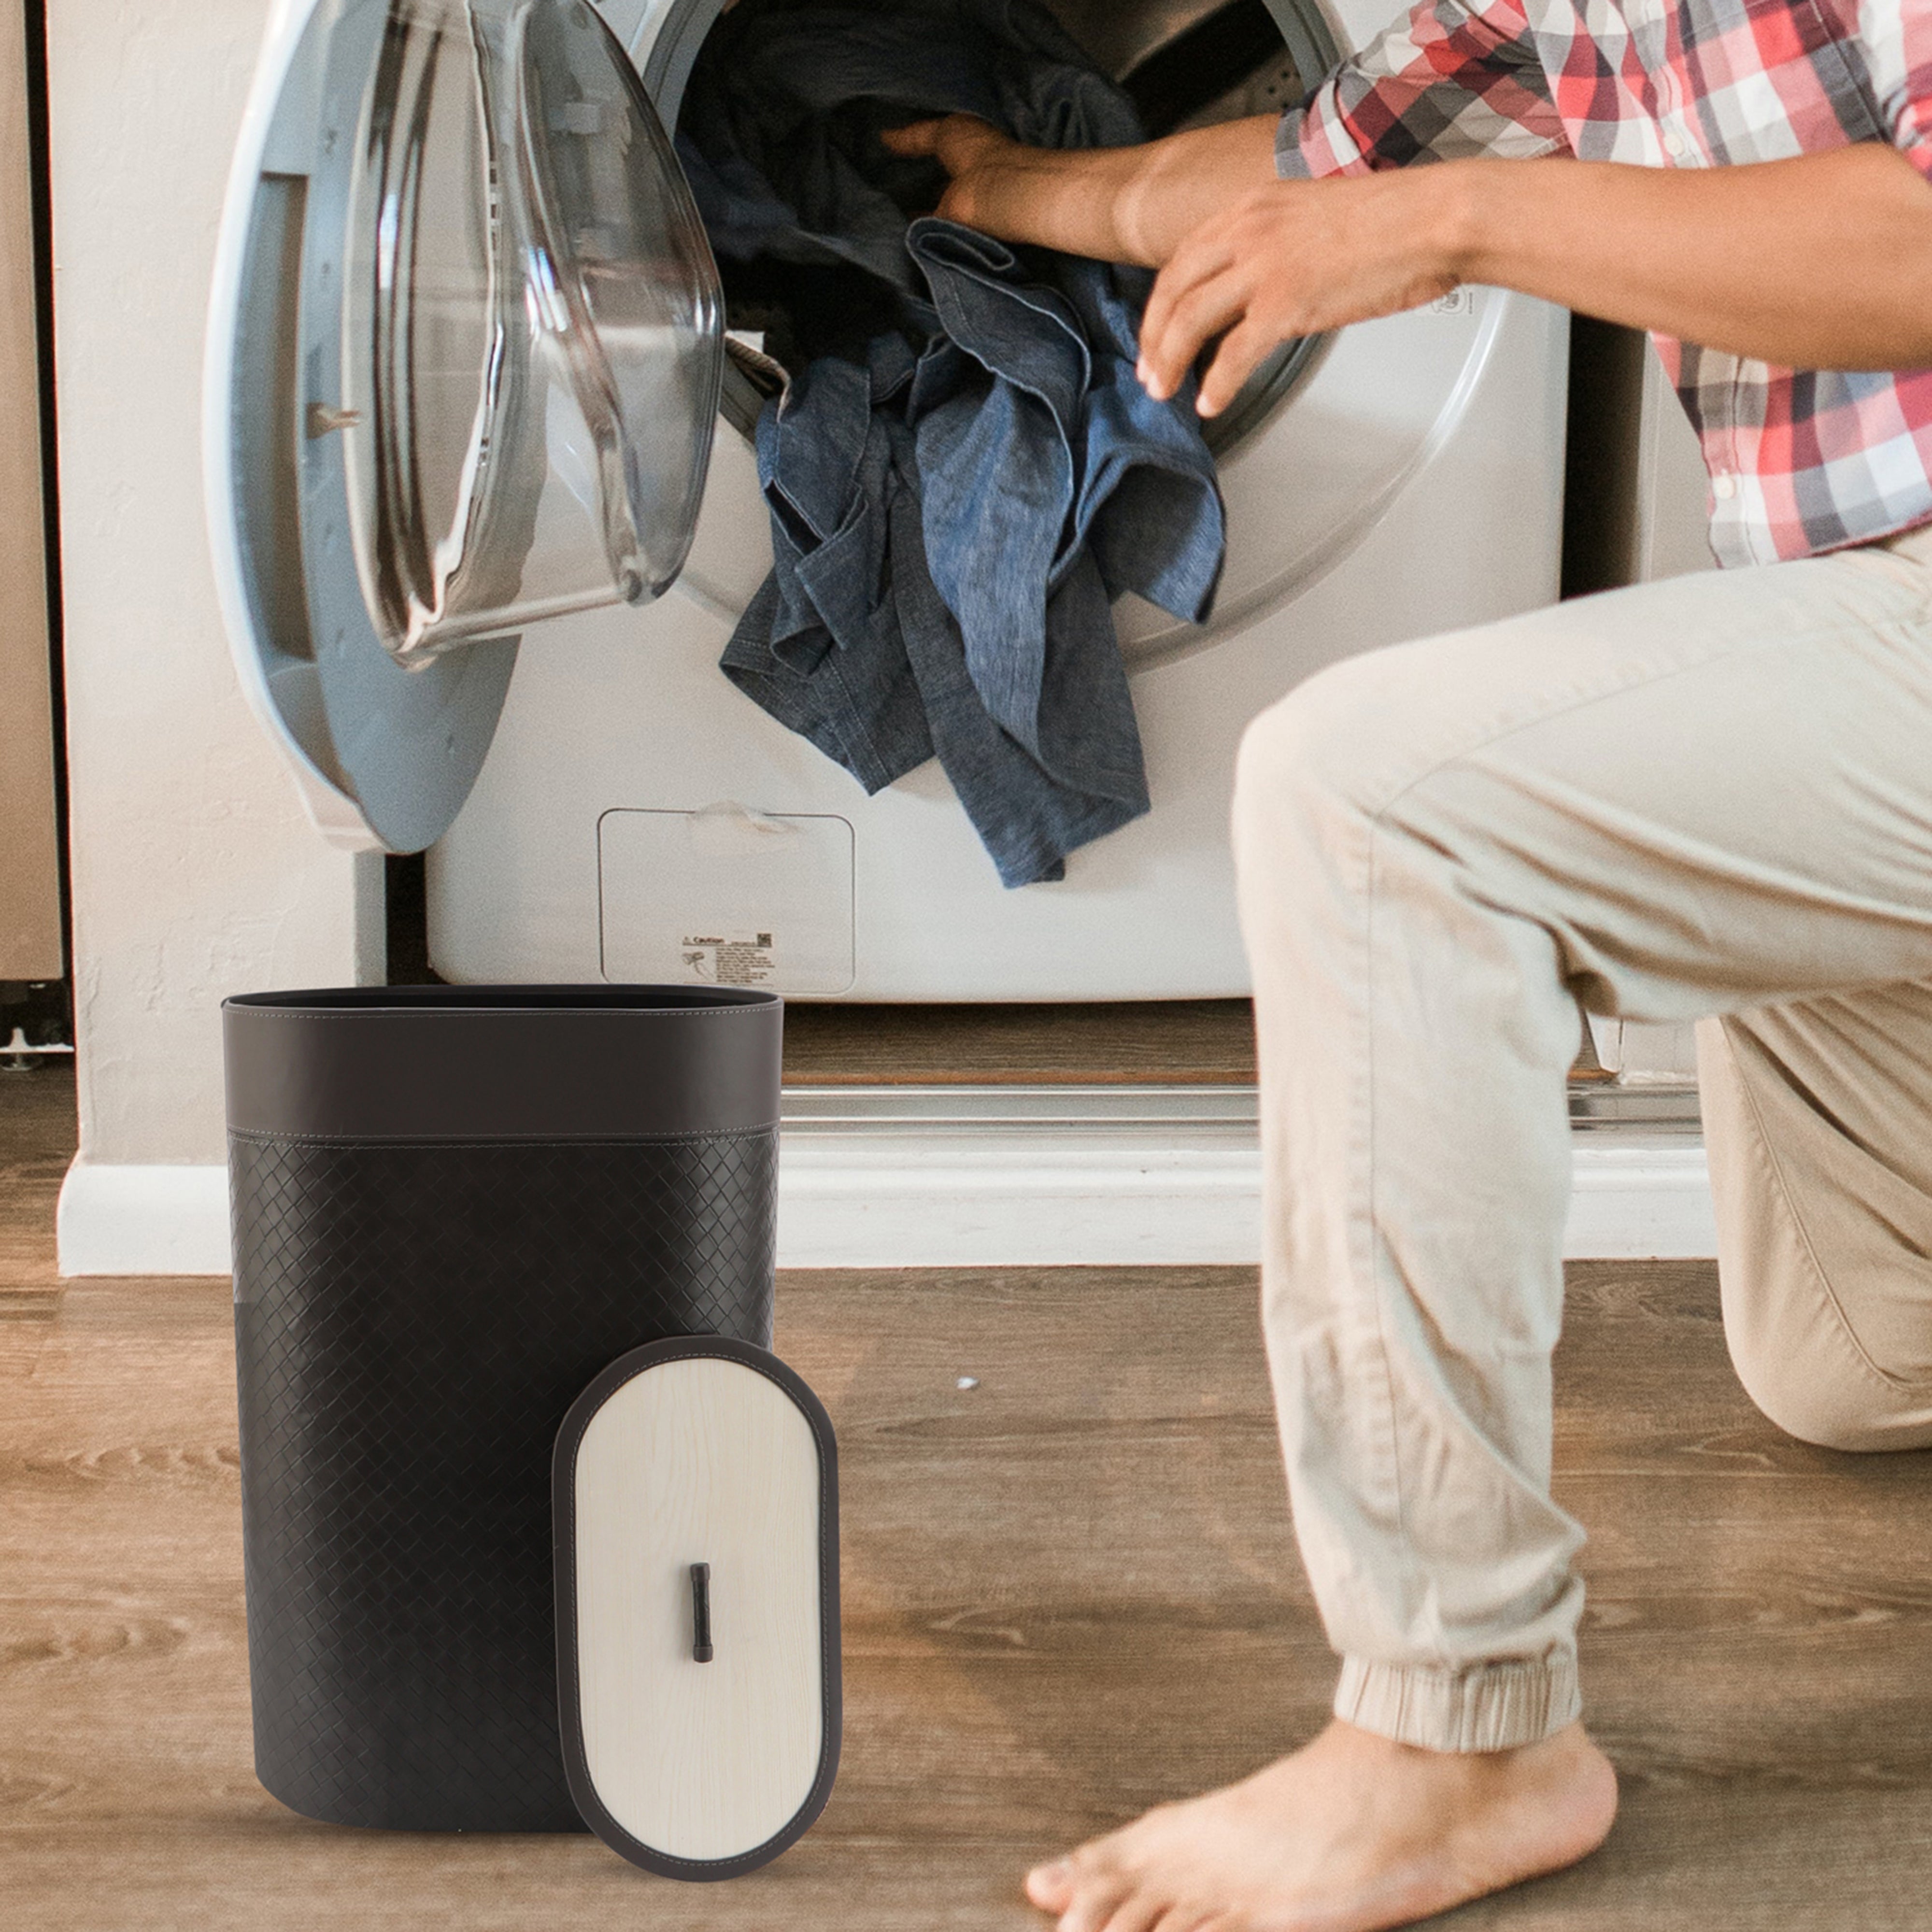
[[1898, 38], [1454, 78]]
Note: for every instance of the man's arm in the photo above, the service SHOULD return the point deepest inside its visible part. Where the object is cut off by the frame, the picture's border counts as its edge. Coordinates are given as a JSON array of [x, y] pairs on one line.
[[1450, 79], [1115, 204], [1824, 262]]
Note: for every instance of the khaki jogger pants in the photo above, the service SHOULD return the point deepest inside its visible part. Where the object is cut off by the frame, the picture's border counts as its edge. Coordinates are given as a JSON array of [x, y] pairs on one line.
[[1708, 798]]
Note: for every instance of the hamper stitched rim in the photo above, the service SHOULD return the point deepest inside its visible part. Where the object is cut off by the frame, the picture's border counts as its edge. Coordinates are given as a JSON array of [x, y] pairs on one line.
[[473, 1064]]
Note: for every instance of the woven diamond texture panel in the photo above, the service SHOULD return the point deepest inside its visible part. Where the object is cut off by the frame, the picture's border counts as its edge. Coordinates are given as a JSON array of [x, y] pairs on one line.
[[411, 1323]]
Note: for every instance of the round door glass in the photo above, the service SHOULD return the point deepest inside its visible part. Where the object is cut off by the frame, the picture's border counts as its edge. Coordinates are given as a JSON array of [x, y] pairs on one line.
[[533, 328]]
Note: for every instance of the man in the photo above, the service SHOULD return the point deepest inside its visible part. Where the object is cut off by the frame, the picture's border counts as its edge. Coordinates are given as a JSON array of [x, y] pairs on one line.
[[1707, 798]]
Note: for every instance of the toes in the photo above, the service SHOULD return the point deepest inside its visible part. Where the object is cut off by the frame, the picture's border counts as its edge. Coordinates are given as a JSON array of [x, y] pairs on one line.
[[1139, 1913], [1080, 1894], [1182, 1918], [1051, 1886], [1097, 1896], [1087, 1894]]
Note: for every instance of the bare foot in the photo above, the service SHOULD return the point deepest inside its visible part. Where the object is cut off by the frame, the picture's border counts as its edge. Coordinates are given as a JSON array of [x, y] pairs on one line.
[[1351, 1834]]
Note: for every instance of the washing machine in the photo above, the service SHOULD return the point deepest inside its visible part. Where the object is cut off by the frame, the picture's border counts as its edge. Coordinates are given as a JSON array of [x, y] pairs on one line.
[[486, 511]]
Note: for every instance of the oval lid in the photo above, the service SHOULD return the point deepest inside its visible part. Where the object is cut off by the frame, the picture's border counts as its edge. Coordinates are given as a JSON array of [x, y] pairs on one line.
[[464, 359], [696, 1512]]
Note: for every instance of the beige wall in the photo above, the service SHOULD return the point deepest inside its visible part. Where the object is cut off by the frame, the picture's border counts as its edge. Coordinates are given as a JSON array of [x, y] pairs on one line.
[[30, 932], [195, 874]]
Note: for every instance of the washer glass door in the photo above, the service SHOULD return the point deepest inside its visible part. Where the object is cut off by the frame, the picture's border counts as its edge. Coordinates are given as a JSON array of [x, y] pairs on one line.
[[467, 346], [532, 349]]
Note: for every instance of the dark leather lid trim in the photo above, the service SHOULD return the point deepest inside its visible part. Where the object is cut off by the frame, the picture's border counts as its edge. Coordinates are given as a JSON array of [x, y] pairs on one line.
[[509, 1063]]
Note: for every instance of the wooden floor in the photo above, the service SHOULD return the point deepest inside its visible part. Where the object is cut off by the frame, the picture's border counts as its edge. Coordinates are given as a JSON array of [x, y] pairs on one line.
[[1070, 1592], [1164, 1042]]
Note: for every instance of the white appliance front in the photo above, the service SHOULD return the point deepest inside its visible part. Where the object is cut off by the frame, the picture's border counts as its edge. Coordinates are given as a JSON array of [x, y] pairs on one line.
[[636, 816], [1411, 484]]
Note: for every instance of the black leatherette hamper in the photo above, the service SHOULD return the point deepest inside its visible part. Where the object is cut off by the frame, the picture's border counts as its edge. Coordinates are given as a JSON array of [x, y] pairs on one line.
[[453, 1207]]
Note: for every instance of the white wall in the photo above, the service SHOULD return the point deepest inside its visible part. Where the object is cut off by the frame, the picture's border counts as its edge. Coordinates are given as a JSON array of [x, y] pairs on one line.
[[195, 874]]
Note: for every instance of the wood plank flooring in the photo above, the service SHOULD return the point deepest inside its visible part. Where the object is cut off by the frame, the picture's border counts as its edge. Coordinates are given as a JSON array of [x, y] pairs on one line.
[[37, 1137], [1070, 1592], [1170, 1042]]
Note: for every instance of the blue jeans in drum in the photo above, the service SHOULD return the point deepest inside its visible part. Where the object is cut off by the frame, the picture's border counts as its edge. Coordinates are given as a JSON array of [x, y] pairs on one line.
[[957, 497]]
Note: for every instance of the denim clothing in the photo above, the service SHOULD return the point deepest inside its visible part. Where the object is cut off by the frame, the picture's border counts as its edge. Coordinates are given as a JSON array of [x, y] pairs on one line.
[[965, 472], [849, 643], [1039, 447]]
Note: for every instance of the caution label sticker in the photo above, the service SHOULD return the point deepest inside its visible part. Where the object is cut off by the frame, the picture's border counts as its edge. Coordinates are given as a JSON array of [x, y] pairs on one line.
[[728, 959]]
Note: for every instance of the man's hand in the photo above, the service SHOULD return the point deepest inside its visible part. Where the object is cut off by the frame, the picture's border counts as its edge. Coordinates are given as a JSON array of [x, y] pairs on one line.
[[1294, 258], [1241, 254], [1115, 204], [971, 151], [1822, 262]]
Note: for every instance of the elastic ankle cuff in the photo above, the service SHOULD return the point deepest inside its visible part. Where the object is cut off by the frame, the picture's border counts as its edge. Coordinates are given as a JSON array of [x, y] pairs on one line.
[[1492, 1707]]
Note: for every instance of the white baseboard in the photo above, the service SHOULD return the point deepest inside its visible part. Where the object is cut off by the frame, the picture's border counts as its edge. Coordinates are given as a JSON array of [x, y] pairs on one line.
[[1640, 1203], [944, 1198], [889, 1202], [887, 1205], [143, 1220]]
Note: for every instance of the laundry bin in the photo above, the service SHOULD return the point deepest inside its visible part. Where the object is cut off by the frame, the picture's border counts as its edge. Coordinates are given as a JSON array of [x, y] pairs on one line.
[[460, 1213]]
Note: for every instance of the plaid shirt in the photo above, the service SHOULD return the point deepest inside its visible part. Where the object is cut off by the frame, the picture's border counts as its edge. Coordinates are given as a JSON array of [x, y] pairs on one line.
[[1800, 461]]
